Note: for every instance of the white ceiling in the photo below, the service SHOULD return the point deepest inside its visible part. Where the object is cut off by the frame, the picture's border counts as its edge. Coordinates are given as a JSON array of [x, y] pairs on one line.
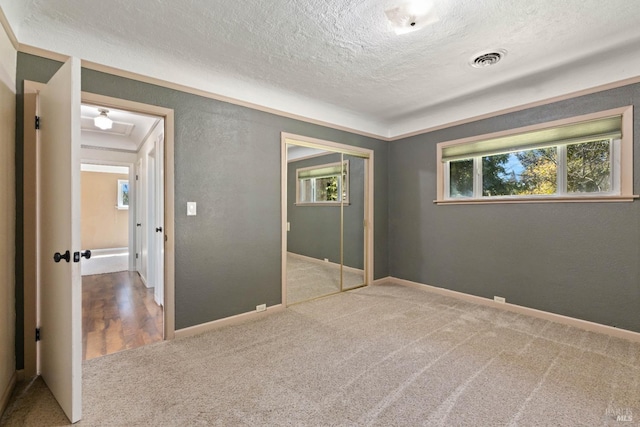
[[339, 61], [297, 152], [128, 133]]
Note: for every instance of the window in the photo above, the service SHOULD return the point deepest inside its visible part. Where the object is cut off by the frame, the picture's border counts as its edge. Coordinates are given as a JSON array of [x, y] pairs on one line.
[[323, 184], [583, 158], [123, 194]]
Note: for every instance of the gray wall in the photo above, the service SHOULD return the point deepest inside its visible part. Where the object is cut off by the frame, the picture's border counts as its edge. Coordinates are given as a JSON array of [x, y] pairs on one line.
[[315, 230], [227, 159], [575, 259]]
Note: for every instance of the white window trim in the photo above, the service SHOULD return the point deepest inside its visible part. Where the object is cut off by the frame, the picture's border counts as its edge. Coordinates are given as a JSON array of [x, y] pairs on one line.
[[621, 166], [321, 203]]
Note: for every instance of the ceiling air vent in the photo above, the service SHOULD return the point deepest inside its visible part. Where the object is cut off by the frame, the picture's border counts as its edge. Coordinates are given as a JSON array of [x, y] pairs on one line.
[[488, 58]]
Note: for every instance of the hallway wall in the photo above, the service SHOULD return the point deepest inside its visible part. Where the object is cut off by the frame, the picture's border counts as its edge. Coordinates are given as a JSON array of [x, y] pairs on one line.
[[103, 226]]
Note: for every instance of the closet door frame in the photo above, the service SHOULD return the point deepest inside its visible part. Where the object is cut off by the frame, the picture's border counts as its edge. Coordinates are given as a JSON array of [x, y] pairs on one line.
[[368, 156]]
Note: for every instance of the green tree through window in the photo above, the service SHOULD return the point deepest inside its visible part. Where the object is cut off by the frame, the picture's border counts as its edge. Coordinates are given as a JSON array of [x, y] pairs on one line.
[[589, 167]]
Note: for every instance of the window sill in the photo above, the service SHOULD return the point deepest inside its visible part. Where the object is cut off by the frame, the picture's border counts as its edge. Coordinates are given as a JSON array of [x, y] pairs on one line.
[[322, 204], [576, 199]]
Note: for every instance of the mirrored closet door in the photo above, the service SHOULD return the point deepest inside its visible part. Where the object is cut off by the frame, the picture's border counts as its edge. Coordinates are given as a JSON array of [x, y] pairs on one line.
[[325, 222]]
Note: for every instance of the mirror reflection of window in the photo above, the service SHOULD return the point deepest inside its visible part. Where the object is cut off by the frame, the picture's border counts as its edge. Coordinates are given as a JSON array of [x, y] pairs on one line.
[[323, 183]]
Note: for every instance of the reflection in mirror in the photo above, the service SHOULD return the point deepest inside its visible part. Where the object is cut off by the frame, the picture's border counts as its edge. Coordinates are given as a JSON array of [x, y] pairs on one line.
[[353, 224], [314, 186]]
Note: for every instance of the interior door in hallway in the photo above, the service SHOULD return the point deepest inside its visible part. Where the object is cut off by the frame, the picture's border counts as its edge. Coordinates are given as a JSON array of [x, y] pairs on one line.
[[59, 232], [139, 216]]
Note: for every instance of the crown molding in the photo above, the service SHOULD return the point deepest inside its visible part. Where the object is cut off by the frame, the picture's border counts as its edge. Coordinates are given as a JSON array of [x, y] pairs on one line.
[[8, 30], [32, 50], [546, 101]]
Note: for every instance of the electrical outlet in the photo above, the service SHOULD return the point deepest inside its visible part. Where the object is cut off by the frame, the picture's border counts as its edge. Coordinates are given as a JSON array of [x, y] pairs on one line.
[[499, 299], [261, 307], [326, 260]]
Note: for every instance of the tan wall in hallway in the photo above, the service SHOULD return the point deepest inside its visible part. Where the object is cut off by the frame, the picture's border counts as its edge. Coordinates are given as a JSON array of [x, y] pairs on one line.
[[7, 215], [103, 226]]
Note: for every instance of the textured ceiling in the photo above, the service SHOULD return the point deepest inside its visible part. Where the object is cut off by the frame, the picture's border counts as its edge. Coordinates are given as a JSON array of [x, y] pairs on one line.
[[340, 62]]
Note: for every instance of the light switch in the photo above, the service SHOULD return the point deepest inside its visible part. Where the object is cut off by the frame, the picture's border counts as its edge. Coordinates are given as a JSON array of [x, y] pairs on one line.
[[191, 208]]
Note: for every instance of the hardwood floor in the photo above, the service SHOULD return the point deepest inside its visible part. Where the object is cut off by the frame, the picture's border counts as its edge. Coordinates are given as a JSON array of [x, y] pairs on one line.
[[118, 313]]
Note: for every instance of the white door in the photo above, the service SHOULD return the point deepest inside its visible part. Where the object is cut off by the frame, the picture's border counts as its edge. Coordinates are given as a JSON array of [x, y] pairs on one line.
[[159, 211], [59, 231], [138, 217], [151, 220]]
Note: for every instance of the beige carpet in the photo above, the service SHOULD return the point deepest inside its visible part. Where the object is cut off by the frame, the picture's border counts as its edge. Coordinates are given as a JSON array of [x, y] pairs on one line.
[[308, 279], [381, 355]]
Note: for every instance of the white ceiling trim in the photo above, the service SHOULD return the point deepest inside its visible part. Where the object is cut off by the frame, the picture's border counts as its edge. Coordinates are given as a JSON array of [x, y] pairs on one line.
[[8, 30], [86, 167]]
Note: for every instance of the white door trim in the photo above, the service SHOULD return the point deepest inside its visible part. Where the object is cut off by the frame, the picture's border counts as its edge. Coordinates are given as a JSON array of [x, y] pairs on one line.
[[169, 191], [368, 155]]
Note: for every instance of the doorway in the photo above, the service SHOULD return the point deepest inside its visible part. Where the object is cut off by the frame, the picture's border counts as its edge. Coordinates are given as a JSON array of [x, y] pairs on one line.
[[120, 155], [121, 309], [327, 209]]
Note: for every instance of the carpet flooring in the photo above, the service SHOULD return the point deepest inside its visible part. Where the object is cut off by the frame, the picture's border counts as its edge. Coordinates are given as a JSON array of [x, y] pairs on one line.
[[307, 279], [378, 356]]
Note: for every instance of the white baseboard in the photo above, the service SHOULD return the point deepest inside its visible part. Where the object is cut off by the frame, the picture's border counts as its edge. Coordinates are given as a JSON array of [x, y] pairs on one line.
[[227, 321], [6, 394], [104, 261], [144, 280], [155, 299], [320, 261], [545, 315]]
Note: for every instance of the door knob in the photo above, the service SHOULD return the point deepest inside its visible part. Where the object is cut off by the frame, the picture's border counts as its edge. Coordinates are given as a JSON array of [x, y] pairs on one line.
[[57, 257], [77, 255], [159, 229]]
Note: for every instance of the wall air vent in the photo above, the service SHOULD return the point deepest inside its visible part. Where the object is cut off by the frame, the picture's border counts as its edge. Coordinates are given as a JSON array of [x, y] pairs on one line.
[[488, 58]]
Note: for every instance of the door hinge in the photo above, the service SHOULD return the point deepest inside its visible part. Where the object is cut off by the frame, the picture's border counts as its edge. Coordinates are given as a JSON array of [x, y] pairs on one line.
[[137, 177], [136, 256], [37, 122], [37, 334]]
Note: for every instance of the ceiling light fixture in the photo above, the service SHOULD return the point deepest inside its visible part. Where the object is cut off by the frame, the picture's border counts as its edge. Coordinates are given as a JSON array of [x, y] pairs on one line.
[[411, 16], [103, 121]]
